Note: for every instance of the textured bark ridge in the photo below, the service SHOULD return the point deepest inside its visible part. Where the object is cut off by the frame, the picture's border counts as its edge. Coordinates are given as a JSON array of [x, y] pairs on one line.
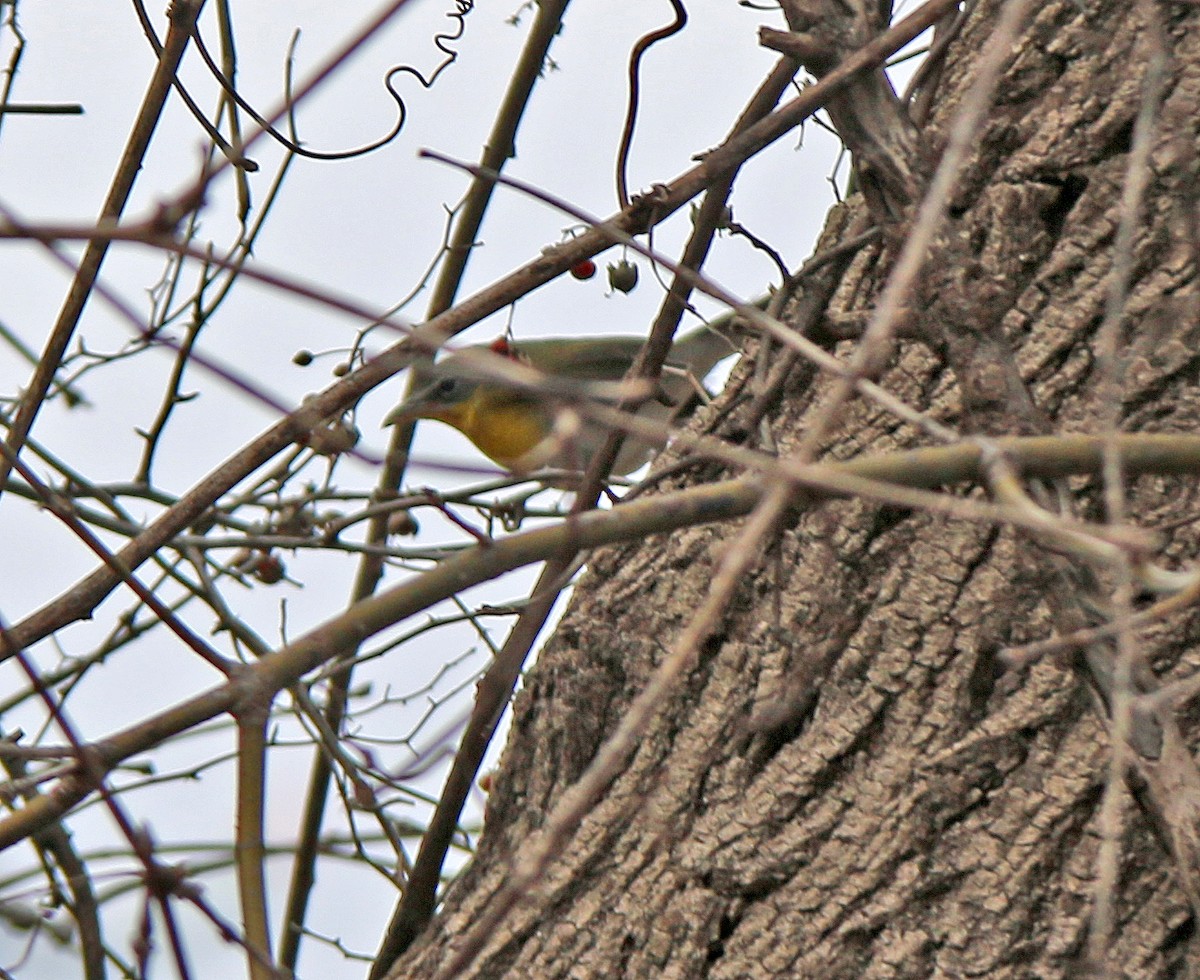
[[847, 785]]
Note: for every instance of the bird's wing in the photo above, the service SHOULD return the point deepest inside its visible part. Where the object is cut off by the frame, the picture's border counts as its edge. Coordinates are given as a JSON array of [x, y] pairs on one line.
[[588, 359]]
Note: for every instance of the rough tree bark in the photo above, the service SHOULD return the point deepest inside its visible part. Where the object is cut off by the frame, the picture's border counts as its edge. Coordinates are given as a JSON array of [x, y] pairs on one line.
[[850, 784]]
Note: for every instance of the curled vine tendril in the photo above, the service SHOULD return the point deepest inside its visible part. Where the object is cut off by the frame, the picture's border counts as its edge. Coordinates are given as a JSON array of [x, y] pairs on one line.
[[442, 42], [643, 45]]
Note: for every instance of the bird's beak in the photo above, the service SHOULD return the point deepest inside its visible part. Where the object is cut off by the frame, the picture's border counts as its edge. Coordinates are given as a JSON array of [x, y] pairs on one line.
[[413, 407], [401, 413], [424, 403]]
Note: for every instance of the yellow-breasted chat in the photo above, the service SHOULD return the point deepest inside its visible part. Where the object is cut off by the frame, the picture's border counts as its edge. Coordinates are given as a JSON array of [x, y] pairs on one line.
[[523, 430]]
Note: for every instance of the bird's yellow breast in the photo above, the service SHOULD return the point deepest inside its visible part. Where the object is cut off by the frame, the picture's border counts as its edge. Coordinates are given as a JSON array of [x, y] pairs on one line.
[[504, 428]]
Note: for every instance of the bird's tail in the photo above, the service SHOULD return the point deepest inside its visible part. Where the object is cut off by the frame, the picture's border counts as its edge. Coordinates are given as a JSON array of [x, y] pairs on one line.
[[699, 351]]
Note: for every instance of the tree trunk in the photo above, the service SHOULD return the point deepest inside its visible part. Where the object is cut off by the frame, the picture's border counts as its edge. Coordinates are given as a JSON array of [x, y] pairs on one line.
[[850, 783]]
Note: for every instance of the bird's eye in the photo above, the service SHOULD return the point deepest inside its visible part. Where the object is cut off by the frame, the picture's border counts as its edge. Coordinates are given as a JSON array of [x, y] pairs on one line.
[[446, 387]]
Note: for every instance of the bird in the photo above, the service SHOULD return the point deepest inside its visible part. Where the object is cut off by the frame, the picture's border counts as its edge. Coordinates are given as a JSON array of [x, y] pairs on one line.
[[524, 430]]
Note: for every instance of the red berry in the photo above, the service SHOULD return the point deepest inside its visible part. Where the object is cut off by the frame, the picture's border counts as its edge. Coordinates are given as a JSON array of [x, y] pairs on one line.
[[268, 569], [584, 269]]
